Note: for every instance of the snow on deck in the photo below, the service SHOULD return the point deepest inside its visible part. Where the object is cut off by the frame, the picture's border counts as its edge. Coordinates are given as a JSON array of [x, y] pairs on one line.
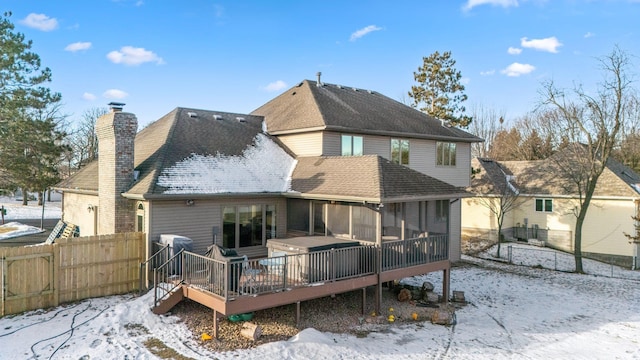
[[263, 167]]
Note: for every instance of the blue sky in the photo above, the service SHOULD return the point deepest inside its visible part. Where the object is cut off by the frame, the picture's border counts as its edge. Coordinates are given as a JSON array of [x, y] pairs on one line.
[[234, 56]]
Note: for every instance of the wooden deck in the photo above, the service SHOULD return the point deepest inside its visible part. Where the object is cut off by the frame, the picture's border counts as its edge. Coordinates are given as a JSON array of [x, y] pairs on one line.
[[240, 286]]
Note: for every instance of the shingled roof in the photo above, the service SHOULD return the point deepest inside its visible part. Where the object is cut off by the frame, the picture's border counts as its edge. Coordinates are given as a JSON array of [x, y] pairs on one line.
[[172, 139], [308, 106], [368, 178], [543, 177]]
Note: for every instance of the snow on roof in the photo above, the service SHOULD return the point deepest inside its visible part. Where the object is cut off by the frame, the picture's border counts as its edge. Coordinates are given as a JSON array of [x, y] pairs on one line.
[[262, 167]]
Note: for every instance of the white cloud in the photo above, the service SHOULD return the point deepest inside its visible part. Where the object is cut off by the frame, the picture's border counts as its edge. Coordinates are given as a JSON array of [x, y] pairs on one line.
[[504, 3], [276, 86], [517, 69], [88, 96], [115, 94], [514, 51], [465, 80], [364, 31], [40, 22], [550, 44], [129, 55], [77, 46], [589, 34], [487, 73]]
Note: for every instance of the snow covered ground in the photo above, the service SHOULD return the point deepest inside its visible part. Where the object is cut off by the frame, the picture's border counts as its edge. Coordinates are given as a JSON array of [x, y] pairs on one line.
[[15, 210], [514, 312]]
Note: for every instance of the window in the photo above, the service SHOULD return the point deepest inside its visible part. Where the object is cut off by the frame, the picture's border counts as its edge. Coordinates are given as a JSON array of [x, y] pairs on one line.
[[400, 151], [442, 210], [352, 145], [544, 205], [248, 225], [140, 218], [445, 154]]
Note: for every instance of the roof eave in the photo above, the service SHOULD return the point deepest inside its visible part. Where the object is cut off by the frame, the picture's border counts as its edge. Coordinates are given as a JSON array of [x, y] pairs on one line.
[[377, 132], [76, 191]]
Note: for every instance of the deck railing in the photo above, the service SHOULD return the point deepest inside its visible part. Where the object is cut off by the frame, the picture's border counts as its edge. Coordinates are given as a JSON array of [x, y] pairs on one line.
[[410, 252], [167, 277], [237, 277], [161, 253], [240, 277]]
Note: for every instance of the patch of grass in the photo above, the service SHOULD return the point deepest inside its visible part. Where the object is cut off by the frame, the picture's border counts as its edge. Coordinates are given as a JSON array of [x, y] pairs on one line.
[[136, 329], [161, 350]]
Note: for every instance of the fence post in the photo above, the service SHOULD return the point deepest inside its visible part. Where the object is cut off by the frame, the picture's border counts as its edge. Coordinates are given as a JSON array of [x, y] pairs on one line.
[[555, 261], [510, 254]]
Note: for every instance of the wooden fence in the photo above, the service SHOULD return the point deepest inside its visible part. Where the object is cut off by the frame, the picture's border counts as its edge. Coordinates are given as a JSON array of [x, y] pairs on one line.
[[42, 276]]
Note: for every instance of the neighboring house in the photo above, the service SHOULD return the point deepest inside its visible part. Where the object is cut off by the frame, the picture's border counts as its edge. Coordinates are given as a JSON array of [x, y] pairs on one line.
[[546, 205], [302, 162]]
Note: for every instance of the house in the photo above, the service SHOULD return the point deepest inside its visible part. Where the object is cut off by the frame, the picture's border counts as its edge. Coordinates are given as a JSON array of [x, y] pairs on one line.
[[320, 160], [545, 207]]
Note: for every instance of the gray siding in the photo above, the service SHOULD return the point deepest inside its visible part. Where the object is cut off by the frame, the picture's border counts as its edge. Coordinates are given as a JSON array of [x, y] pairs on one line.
[[378, 145], [459, 175], [196, 222], [331, 144], [455, 215]]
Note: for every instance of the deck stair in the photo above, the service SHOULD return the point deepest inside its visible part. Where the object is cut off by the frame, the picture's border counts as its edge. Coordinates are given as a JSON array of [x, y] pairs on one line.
[[167, 304]]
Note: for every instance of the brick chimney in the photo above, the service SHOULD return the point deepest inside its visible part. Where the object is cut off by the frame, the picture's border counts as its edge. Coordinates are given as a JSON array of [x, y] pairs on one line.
[[116, 132]]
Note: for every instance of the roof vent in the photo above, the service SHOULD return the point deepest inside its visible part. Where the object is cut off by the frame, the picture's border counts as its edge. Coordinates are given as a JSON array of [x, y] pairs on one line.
[[217, 117], [240, 119], [370, 91], [354, 89], [319, 83], [116, 106], [192, 114], [339, 86]]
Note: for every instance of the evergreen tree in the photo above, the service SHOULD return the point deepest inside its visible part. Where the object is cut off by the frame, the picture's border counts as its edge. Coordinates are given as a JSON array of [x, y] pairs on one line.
[[29, 139], [439, 92]]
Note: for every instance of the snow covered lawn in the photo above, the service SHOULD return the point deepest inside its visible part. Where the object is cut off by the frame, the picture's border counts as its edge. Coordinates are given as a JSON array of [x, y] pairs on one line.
[[15, 229], [514, 312], [15, 209]]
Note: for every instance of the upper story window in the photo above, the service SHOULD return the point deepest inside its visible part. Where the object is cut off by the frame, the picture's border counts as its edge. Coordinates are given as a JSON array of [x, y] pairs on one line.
[[352, 145], [544, 205], [400, 151], [445, 153]]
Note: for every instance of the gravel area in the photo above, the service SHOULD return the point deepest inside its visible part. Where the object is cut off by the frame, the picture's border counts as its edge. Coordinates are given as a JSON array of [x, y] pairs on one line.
[[338, 314]]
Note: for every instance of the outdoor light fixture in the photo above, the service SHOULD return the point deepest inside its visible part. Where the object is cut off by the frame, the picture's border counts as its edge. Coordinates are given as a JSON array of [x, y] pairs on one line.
[[190, 202], [90, 208]]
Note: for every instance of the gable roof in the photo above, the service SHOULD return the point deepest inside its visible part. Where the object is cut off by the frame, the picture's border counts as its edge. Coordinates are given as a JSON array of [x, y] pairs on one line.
[[369, 178], [541, 177], [308, 107]]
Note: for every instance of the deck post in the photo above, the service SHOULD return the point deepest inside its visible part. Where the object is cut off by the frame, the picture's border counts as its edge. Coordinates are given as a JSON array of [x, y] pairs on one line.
[[297, 314], [379, 285], [364, 301], [446, 275], [215, 324]]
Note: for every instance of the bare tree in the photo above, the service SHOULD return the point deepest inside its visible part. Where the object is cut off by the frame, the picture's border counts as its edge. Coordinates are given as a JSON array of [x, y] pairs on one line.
[[486, 124], [496, 191], [592, 124], [84, 141]]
